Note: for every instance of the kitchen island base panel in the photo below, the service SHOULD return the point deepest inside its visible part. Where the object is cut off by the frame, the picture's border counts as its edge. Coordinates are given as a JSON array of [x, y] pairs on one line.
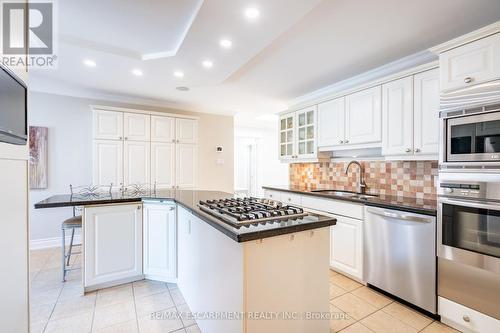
[[280, 277]]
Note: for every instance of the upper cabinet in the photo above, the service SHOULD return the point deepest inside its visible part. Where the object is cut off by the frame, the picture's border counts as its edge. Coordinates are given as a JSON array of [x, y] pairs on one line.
[[287, 136], [297, 135], [162, 129], [426, 112], [136, 127], [397, 117], [186, 130], [108, 125], [411, 116], [141, 148], [470, 64], [306, 133], [331, 123], [364, 117]]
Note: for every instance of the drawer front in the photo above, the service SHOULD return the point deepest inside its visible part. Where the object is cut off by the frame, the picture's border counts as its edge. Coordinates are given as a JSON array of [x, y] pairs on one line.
[[465, 319], [470, 64], [336, 207], [291, 199], [273, 195]]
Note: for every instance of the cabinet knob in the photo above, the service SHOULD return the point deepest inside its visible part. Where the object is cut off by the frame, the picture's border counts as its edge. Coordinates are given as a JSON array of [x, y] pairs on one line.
[[341, 141], [138, 207], [126, 138], [289, 199], [466, 319], [178, 141], [120, 138], [346, 141], [173, 140], [468, 80], [408, 150], [417, 150]]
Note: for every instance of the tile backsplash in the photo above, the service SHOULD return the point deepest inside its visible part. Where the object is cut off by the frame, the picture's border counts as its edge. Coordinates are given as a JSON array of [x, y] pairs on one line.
[[397, 178]]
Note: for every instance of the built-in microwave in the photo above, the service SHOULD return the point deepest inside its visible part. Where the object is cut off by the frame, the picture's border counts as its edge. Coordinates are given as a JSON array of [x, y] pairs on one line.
[[472, 137]]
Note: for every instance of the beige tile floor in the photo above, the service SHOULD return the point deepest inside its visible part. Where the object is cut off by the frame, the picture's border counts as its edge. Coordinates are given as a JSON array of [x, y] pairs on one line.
[[61, 307]]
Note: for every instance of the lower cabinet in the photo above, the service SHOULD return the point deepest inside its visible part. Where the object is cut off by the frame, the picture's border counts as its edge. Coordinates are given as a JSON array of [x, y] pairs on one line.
[[160, 241], [113, 245], [346, 246]]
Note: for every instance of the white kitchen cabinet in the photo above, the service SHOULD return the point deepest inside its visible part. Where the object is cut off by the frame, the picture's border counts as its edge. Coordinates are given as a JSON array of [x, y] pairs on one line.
[[108, 162], [331, 123], [162, 129], [306, 133], [287, 136], [163, 164], [113, 245], [273, 195], [411, 116], [186, 165], [426, 113], [346, 246], [136, 158], [141, 148], [186, 131], [470, 64], [297, 135], [364, 116], [108, 125], [397, 117], [160, 241], [136, 126]]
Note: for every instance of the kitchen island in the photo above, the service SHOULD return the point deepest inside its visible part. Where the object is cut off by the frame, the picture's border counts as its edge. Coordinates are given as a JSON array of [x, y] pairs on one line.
[[268, 277]]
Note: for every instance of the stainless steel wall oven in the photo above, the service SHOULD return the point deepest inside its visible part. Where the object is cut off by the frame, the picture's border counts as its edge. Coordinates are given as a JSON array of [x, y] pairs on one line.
[[468, 240]]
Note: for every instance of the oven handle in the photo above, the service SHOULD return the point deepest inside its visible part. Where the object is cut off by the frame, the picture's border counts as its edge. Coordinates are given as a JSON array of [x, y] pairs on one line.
[[471, 203], [394, 215]]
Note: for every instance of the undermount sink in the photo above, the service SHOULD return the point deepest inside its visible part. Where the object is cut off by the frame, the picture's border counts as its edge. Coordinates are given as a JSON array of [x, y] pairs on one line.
[[345, 194]]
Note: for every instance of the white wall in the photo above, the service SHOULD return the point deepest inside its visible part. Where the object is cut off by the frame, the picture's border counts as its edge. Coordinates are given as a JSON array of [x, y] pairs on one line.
[[69, 120], [270, 171]]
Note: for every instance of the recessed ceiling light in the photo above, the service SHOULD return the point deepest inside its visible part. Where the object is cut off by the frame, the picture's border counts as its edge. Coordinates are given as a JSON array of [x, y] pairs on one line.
[[225, 43], [89, 63], [179, 74], [207, 63], [182, 88], [252, 13], [137, 72]]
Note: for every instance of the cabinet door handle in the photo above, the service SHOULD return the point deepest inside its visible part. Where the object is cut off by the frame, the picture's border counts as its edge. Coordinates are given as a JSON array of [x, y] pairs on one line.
[[341, 141], [346, 141], [417, 150], [408, 150], [468, 80]]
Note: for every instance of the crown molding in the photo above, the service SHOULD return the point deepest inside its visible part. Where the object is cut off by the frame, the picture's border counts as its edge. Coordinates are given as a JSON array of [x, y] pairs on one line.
[[486, 31], [413, 64]]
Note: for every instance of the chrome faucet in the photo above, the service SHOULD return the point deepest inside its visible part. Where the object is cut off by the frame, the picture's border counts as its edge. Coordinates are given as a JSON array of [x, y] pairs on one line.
[[361, 180]]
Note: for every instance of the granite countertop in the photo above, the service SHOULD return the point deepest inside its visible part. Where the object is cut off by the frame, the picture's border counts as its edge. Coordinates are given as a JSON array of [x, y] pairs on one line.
[[189, 200], [426, 206]]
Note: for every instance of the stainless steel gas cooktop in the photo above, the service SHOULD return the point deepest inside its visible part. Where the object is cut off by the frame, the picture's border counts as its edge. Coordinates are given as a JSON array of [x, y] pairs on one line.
[[250, 211]]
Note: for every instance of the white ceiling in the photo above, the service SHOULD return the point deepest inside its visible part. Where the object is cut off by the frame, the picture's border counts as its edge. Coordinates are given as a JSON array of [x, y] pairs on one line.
[[295, 47]]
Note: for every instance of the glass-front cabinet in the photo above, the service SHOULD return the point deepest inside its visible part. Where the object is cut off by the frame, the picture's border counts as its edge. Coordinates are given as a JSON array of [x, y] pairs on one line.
[[297, 135]]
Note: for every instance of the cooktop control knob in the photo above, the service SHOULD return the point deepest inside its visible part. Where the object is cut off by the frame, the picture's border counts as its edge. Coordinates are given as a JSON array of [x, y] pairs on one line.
[[448, 190]]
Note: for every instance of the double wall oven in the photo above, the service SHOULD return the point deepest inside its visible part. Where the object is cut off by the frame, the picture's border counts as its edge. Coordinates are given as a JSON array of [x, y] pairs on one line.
[[468, 221]]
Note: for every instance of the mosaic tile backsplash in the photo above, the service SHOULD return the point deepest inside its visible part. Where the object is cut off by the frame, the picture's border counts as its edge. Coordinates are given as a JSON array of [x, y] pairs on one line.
[[415, 179]]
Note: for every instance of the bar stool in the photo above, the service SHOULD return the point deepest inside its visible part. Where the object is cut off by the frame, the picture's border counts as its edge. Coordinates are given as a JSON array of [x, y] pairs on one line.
[[72, 224]]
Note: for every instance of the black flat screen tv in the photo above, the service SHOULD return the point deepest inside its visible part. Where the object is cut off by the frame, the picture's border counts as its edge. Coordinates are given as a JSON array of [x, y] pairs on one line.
[[13, 108]]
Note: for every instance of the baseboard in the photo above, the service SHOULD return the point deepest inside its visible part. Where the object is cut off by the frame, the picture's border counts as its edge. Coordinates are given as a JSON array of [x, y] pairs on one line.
[[44, 243]]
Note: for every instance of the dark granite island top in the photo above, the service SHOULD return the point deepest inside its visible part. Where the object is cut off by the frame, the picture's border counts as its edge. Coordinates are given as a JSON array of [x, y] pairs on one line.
[[426, 206], [189, 200]]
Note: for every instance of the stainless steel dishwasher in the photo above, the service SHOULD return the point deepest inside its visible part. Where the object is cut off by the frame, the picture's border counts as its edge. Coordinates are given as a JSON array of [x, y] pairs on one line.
[[400, 255]]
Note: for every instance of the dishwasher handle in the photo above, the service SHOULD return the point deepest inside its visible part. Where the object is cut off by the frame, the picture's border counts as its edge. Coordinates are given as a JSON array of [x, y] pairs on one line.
[[400, 215]]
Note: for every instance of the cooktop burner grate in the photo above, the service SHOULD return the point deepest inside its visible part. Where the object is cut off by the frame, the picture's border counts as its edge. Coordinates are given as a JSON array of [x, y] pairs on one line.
[[248, 211]]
